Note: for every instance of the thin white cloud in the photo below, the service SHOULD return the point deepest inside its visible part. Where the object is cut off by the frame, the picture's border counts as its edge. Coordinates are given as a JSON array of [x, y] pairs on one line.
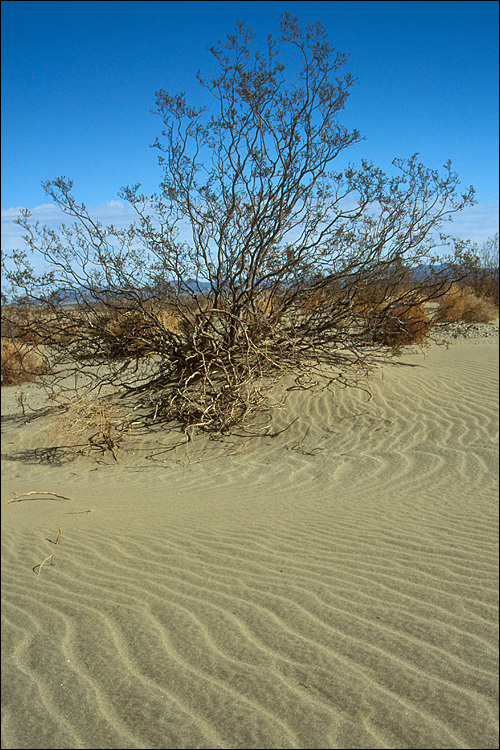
[[114, 212], [476, 223]]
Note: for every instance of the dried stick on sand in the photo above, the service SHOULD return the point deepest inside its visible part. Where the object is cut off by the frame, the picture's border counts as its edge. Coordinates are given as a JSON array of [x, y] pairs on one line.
[[17, 498], [39, 566]]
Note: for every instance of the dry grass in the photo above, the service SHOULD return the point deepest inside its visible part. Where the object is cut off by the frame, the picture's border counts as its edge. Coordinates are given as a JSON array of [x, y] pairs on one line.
[[40, 565], [170, 320], [462, 304], [93, 424], [130, 332], [123, 332], [18, 498], [37, 325], [261, 307], [20, 363]]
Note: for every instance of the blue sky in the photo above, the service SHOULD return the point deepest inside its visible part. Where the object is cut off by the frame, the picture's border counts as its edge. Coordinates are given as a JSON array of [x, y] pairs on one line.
[[79, 81]]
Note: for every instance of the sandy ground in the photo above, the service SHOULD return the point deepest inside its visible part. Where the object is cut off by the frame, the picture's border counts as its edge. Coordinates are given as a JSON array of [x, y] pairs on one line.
[[334, 586]]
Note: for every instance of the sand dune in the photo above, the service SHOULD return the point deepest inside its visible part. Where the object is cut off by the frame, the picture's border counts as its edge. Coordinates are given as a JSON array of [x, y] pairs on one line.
[[334, 586]]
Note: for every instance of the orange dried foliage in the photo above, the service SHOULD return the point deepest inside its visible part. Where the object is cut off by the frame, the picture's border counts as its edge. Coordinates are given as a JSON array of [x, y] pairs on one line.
[[20, 363], [462, 304], [401, 325]]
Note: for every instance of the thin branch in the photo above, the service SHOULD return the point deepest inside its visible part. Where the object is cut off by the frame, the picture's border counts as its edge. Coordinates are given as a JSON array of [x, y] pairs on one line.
[[39, 566], [19, 498]]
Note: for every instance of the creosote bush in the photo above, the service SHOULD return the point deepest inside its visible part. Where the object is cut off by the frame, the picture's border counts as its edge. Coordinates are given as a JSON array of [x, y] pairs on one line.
[[287, 265]]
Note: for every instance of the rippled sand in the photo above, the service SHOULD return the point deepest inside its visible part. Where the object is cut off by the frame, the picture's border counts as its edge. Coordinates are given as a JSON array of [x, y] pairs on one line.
[[335, 586]]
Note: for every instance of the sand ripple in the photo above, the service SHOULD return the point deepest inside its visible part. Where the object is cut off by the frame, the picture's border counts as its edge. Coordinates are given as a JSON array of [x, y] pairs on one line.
[[335, 587]]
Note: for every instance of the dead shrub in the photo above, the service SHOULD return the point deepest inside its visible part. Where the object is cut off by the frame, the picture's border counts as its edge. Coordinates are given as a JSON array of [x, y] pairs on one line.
[[400, 325], [129, 332], [329, 297], [462, 304], [21, 323], [258, 315], [20, 363]]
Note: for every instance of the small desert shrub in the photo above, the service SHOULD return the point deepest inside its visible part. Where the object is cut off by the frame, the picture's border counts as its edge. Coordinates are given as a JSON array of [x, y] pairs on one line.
[[400, 325], [88, 424], [20, 363], [477, 267], [462, 304]]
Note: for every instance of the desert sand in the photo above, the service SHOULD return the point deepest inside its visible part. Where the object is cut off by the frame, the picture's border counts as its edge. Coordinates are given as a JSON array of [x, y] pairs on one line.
[[331, 585]]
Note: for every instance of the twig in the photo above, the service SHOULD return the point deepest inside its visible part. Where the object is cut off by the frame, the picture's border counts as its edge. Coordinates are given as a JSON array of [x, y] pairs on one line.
[[16, 498], [299, 444], [75, 512], [20, 399], [39, 566], [275, 434], [58, 537], [299, 447]]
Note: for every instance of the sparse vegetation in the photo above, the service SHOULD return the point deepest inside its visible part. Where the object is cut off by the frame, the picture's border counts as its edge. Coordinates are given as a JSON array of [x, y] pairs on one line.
[[461, 303], [87, 425], [20, 363], [477, 268], [290, 267], [401, 325]]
